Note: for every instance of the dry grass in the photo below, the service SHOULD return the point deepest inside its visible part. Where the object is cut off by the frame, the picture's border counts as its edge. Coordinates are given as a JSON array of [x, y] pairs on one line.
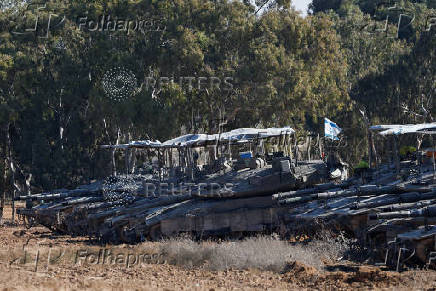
[[194, 265], [263, 253]]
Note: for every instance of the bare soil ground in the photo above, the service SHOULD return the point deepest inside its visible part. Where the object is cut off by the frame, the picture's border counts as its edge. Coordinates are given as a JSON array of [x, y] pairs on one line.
[[38, 259]]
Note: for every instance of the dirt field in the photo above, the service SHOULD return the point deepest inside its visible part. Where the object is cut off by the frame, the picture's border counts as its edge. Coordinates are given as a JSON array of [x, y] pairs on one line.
[[36, 259]]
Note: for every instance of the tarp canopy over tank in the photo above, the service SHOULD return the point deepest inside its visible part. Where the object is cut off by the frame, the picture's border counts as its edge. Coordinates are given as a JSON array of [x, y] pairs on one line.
[[398, 129], [241, 135]]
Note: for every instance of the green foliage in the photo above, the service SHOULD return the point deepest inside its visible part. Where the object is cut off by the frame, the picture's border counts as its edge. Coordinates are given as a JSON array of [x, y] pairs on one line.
[[406, 150], [284, 70], [324, 5], [362, 165]]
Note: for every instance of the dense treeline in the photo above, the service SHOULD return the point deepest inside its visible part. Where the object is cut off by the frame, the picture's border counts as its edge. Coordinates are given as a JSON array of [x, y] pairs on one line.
[[270, 65]]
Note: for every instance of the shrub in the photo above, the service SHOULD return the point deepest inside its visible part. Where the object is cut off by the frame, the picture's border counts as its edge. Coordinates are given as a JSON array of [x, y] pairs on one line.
[[406, 150], [362, 165], [262, 253]]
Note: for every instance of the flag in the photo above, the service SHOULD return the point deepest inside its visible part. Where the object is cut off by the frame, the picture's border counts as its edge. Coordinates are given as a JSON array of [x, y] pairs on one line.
[[331, 129]]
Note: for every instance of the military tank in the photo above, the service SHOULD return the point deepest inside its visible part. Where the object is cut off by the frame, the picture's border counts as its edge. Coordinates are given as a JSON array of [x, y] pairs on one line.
[[231, 194]]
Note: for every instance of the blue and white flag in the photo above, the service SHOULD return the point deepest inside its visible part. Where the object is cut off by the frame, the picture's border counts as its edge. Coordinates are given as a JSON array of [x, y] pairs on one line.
[[331, 129]]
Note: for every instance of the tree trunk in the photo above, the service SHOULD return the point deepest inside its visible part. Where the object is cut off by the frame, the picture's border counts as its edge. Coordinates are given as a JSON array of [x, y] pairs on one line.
[[432, 157], [369, 147], [396, 156], [4, 176], [374, 152], [296, 149], [309, 142], [114, 166], [3, 194], [127, 160], [12, 168], [133, 161]]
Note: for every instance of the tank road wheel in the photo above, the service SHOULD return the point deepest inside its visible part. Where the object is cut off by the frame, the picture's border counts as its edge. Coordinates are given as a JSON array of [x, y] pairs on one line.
[[155, 232], [29, 222], [424, 248], [126, 235], [122, 235]]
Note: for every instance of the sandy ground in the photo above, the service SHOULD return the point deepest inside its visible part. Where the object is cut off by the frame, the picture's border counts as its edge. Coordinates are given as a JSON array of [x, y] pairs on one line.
[[32, 259]]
